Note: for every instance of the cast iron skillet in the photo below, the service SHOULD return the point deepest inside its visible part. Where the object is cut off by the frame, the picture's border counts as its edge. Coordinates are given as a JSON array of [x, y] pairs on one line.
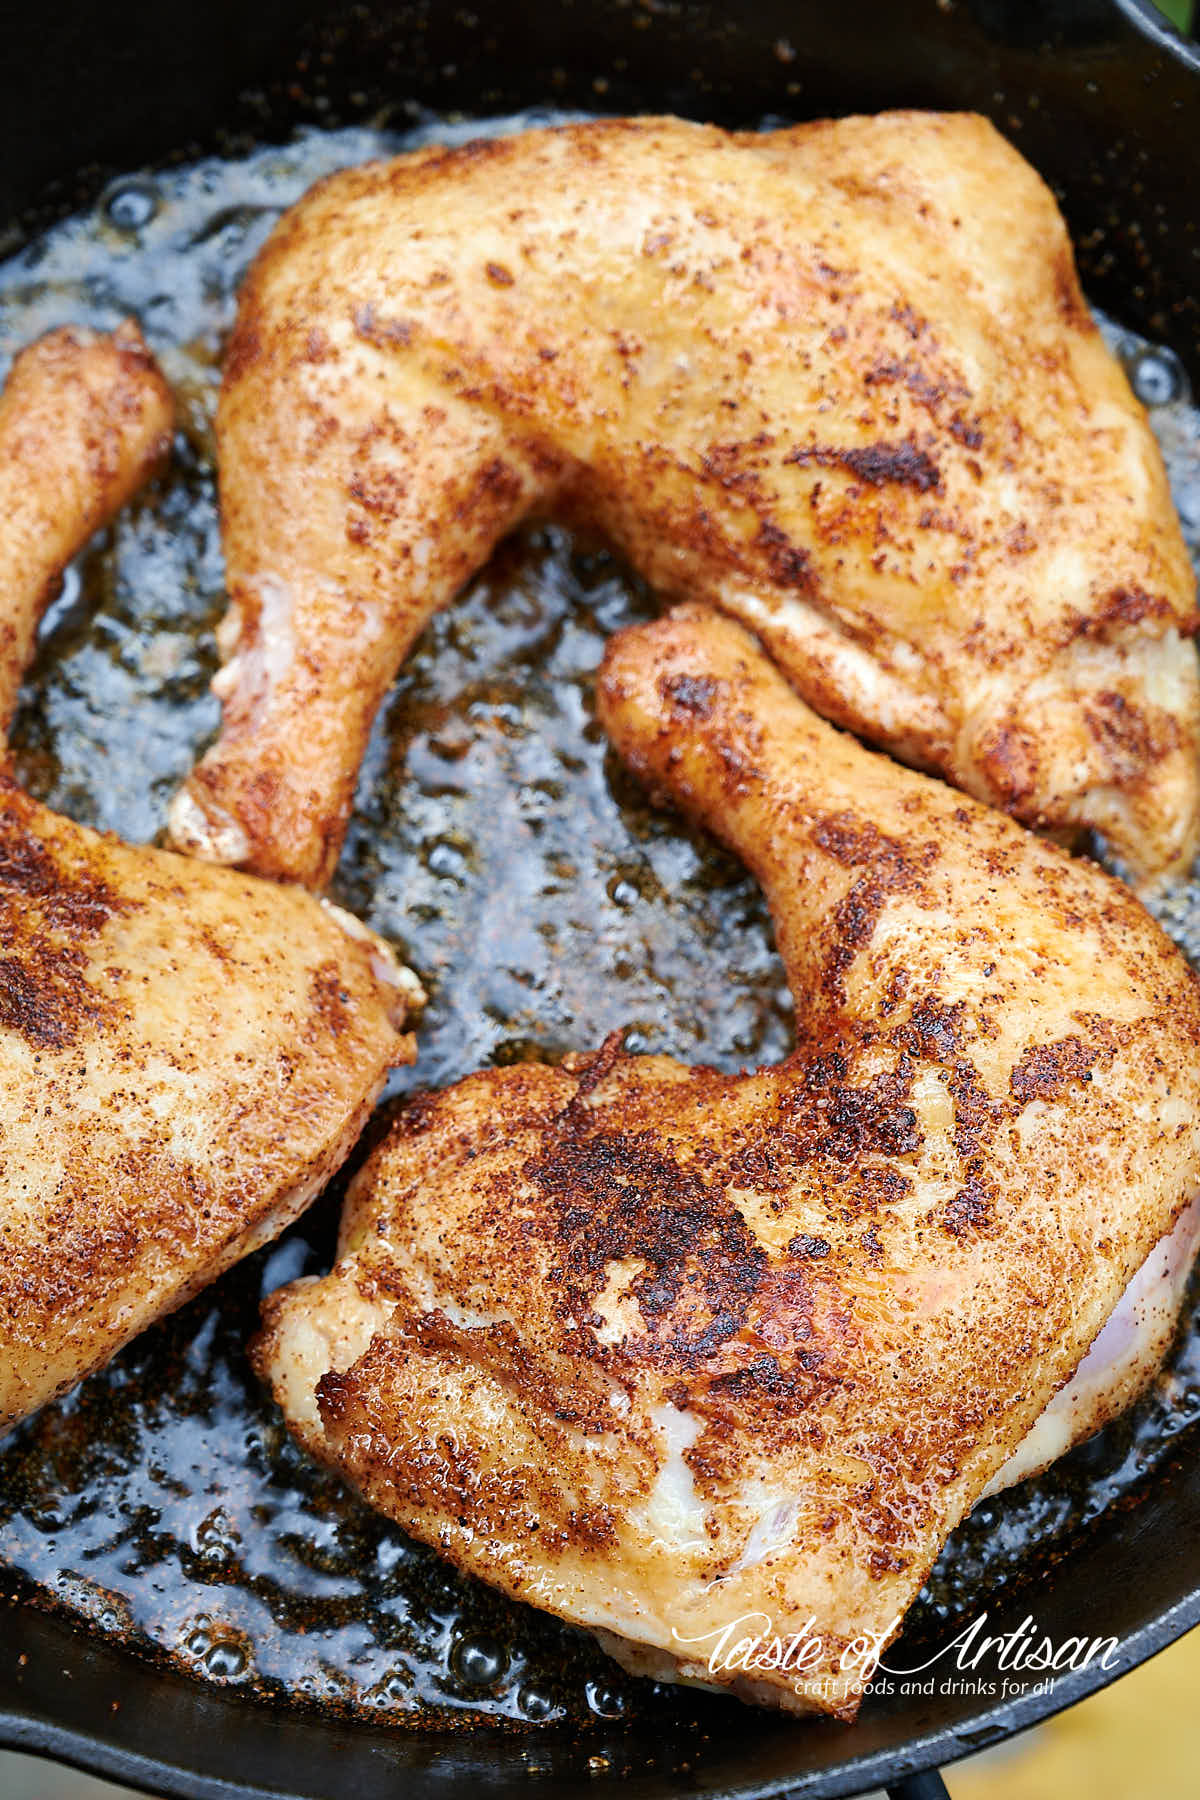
[[1105, 100]]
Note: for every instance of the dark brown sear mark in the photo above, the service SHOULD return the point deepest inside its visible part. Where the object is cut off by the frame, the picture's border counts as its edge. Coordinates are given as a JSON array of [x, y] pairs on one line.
[[48, 913], [46, 1000], [693, 694], [1047, 1070], [618, 1195], [385, 334], [879, 465], [72, 901], [1119, 610], [970, 1210], [790, 564]]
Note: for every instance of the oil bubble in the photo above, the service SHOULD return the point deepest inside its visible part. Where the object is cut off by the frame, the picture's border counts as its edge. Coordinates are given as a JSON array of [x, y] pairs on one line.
[[478, 1662], [225, 1660], [130, 204], [1156, 376], [605, 1701], [536, 1707]]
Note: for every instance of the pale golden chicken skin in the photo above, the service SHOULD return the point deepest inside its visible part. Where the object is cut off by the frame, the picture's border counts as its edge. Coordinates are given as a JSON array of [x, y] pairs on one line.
[[657, 1348], [838, 380], [187, 1054], [84, 419]]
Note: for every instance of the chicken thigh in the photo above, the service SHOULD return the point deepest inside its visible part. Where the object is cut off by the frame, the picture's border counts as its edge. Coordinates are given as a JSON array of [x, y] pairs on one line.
[[660, 1349], [838, 380]]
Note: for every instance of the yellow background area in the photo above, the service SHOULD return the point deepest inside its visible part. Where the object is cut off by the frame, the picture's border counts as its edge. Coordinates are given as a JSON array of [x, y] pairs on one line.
[[1140, 1737]]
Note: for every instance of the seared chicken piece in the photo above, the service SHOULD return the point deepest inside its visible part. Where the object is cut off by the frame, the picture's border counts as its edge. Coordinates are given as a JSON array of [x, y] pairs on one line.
[[657, 1348], [839, 380], [84, 418], [187, 1054]]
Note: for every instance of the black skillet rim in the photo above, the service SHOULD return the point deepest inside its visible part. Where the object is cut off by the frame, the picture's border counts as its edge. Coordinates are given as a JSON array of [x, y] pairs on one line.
[[100, 1752], [1153, 24]]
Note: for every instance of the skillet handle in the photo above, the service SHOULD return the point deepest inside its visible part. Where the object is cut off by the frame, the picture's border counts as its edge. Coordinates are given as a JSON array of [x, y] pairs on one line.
[[926, 1786]]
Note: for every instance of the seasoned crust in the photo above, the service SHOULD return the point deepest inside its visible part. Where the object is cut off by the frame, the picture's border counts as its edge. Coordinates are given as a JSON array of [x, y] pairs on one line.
[[655, 1347]]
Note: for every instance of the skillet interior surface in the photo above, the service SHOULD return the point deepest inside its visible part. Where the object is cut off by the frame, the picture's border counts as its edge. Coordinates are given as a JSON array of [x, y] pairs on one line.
[[163, 1503]]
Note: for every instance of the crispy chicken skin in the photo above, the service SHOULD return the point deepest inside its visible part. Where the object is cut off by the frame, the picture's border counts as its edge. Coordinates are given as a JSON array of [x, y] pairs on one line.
[[838, 380], [84, 417], [657, 1348], [186, 1056]]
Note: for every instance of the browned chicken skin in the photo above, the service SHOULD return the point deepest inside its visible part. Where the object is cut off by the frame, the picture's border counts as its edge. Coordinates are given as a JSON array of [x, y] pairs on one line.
[[838, 380], [84, 418], [659, 1348]]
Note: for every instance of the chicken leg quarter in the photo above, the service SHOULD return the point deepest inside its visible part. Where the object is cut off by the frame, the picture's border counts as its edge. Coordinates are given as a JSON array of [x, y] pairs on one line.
[[837, 380], [187, 1053], [658, 1348]]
